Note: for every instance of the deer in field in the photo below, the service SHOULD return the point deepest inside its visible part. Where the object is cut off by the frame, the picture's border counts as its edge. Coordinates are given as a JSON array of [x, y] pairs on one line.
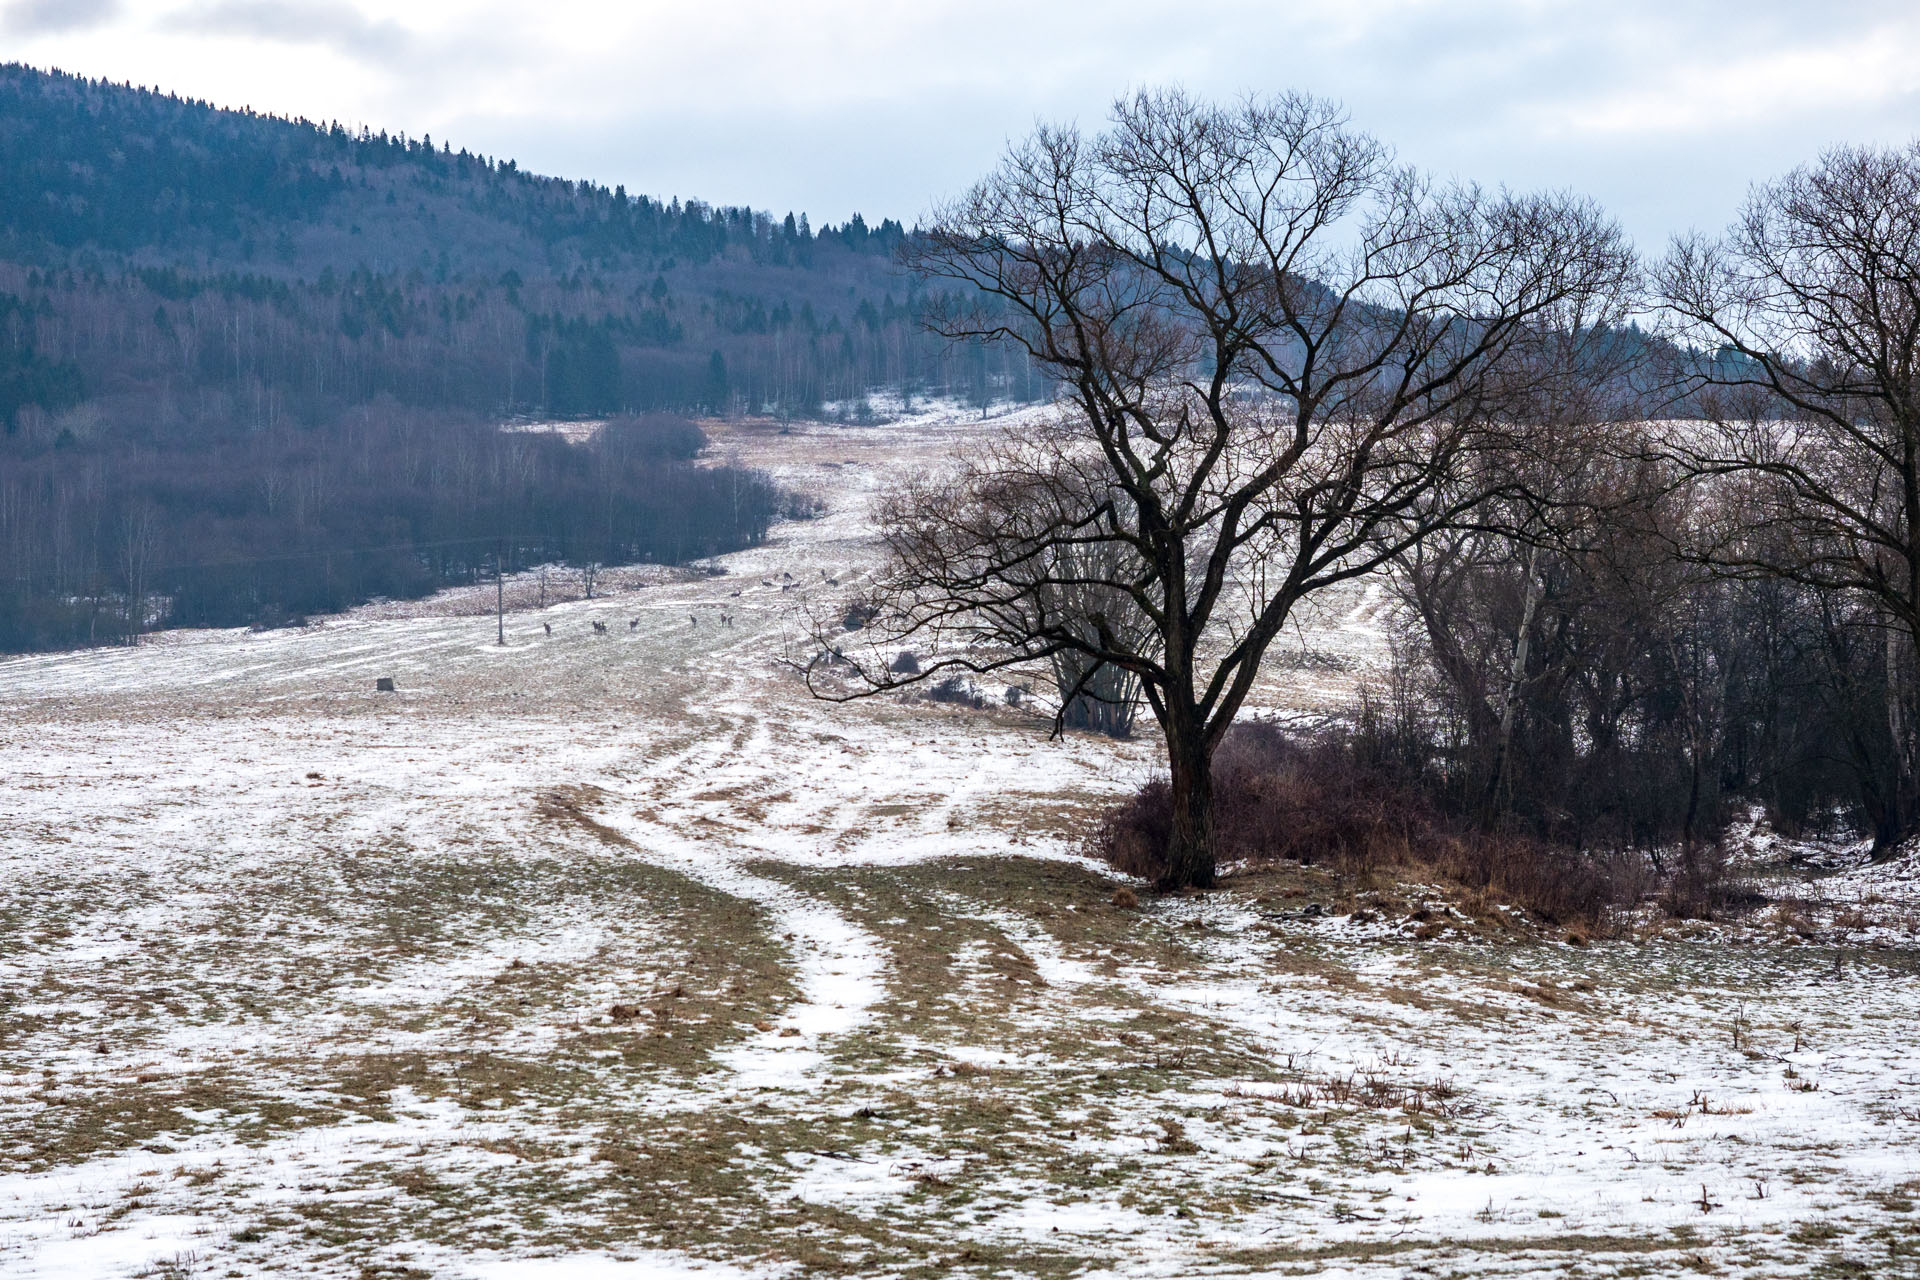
[[633, 625], [600, 628], [548, 626]]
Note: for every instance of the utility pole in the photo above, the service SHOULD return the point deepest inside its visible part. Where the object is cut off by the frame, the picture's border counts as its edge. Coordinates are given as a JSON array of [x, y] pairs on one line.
[[499, 600]]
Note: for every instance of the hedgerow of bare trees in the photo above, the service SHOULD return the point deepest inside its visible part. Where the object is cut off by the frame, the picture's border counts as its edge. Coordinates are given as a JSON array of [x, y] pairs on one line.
[[1284, 360], [1806, 315]]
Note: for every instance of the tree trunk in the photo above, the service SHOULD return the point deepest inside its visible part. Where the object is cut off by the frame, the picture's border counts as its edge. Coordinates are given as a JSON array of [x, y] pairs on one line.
[[1510, 700], [1895, 821], [1190, 847]]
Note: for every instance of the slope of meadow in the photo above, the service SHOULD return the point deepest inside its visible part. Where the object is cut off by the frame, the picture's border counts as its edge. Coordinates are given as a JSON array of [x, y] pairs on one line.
[[618, 955]]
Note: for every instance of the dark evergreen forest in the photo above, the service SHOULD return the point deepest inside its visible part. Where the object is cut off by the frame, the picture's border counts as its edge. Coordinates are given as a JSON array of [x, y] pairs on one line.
[[204, 311]]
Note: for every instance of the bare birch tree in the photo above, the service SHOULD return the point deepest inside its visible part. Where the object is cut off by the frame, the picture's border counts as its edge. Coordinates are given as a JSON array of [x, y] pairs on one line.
[[140, 534], [1282, 360]]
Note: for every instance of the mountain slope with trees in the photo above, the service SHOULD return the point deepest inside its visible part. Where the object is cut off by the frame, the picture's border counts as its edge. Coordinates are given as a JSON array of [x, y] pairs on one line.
[[280, 268]]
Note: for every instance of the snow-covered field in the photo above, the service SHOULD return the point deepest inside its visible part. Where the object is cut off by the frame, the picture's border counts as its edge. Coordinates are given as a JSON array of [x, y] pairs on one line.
[[618, 955]]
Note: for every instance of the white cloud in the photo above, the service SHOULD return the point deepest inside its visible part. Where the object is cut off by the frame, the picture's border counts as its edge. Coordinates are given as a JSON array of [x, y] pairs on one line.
[[327, 23], [1752, 89], [32, 17]]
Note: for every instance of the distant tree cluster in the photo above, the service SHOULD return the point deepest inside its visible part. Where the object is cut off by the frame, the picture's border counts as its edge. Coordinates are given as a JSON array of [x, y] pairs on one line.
[[1582, 673], [121, 534]]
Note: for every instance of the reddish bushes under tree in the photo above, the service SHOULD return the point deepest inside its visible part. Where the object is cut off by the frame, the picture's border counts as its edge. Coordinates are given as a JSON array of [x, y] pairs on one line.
[[1317, 801]]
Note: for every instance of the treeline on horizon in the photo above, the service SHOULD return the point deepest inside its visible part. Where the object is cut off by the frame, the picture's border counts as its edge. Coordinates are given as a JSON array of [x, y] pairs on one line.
[[267, 526]]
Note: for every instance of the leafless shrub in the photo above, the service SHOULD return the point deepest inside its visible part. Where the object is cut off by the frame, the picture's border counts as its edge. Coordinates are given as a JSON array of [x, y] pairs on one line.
[[1174, 1139], [957, 691], [1132, 837], [1701, 888], [802, 506], [1307, 660], [1367, 1090]]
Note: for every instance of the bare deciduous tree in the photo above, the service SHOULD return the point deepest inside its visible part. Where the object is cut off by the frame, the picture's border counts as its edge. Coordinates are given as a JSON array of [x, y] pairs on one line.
[[1283, 359], [1810, 308], [140, 534]]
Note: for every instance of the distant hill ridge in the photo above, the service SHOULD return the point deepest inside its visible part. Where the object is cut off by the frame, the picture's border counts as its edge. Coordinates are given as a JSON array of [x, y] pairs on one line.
[[162, 179]]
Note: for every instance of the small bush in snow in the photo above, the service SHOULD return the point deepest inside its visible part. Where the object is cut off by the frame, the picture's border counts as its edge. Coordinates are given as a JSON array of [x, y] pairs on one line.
[[957, 691]]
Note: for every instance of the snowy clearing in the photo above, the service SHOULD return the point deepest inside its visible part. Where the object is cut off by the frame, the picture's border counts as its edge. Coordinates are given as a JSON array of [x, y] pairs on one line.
[[617, 955]]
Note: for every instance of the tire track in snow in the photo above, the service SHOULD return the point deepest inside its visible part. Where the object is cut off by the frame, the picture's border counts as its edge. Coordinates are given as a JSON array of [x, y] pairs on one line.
[[838, 967]]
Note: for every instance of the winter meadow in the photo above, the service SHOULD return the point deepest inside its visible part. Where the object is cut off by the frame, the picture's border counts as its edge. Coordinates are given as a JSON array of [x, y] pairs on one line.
[[1205, 700]]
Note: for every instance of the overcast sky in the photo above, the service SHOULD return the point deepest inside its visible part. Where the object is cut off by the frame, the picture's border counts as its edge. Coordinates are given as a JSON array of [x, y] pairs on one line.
[[1663, 109]]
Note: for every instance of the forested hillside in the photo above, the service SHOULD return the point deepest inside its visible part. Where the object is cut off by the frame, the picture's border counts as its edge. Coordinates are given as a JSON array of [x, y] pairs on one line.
[[227, 336], [237, 265]]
